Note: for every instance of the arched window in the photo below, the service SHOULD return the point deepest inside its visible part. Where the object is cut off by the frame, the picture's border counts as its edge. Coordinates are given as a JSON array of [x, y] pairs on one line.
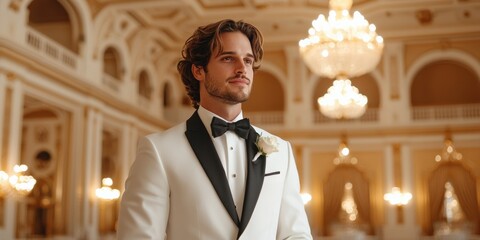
[[144, 85], [51, 19], [111, 63], [347, 202], [44, 149], [167, 95], [445, 82], [452, 187]]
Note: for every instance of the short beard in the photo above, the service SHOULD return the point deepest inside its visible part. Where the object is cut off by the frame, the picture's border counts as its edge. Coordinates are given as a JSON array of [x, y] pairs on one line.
[[226, 97]]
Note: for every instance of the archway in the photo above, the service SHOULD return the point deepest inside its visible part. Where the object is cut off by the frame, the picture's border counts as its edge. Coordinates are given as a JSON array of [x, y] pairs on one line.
[[444, 82]]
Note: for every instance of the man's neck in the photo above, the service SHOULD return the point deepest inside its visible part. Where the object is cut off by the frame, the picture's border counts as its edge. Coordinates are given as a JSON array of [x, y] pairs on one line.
[[227, 112]]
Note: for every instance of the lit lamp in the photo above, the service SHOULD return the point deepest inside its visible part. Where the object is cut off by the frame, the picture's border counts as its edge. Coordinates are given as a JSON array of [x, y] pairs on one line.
[[344, 156], [20, 183], [342, 100], [449, 153], [398, 199], [106, 192], [341, 47], [306, 198]]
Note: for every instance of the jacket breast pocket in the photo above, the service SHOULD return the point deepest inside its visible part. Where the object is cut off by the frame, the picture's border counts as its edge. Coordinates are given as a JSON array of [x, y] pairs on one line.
[[272, 173], [273, 182], [273, 177]]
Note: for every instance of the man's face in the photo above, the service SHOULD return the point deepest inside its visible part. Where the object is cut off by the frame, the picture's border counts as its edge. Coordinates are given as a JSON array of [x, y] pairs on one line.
[[229, 74]]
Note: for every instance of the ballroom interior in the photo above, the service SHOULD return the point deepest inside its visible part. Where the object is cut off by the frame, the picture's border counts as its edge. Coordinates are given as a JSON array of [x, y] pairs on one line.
[[82, 80]]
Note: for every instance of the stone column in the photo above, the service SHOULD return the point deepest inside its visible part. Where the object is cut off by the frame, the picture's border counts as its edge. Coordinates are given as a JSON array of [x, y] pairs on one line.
[[78, 160], [396, 107], [92, 171], [12, 149], [297, 110], [389, 183], [3, 100], [411, 230]]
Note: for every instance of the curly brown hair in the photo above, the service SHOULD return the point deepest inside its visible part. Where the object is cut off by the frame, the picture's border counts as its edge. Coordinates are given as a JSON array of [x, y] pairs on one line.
[[200, 46]]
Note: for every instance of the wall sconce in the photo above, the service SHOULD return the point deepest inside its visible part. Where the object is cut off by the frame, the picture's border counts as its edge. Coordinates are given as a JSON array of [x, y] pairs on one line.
[[19, 183], [396, 197], [306, 197], [106, 192]]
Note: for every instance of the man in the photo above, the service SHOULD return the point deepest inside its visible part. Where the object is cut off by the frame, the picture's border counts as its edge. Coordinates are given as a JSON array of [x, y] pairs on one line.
[[206, 178]]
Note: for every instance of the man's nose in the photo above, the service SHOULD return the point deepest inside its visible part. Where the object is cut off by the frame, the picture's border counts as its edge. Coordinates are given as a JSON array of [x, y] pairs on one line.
[[241, 67]]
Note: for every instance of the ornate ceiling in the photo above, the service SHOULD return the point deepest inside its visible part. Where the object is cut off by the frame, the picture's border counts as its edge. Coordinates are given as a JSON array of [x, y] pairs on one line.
[[287, 21]]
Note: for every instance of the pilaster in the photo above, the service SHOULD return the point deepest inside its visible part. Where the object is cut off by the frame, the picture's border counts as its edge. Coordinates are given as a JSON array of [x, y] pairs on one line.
[[3, 100], [389, 183], [92, 171], [14, 133], [395, 97], [297, 111]]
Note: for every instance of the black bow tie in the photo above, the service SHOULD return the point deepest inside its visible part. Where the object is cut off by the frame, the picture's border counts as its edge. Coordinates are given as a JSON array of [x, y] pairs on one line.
[[240, 127]]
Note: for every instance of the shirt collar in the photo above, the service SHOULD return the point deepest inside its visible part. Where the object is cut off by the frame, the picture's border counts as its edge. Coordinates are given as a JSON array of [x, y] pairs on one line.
[[206, 117]]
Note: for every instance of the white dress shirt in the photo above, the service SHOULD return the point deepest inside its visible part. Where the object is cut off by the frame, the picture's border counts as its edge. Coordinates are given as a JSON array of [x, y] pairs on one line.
[[232, 152]]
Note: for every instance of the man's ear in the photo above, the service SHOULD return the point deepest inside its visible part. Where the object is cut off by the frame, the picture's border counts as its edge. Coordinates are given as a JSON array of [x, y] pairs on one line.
[[198, 72]]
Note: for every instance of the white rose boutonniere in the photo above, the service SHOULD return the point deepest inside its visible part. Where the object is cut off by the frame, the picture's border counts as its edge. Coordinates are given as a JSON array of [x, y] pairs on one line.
[[266, 145]]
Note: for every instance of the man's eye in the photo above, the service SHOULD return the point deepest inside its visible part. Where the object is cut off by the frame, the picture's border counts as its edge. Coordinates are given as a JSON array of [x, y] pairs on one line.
[[227, 59], [249, 61]]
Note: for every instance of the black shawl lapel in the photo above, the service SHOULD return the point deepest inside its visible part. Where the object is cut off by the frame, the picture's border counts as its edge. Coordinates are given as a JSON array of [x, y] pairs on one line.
[[205, 151], [256, 173]]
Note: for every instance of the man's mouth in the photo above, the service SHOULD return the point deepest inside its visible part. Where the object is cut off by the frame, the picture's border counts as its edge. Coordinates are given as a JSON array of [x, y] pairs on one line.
[[239, 80]]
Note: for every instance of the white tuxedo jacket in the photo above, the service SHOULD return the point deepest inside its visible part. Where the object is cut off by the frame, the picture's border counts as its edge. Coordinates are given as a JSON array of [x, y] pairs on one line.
[[177, 190]]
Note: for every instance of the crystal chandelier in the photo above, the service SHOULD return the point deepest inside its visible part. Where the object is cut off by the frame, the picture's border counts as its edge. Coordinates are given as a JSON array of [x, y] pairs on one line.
[[342, 100], [342, 47], [397, 197], [344, 156], [449, 153], [106, 192], [19, 183]]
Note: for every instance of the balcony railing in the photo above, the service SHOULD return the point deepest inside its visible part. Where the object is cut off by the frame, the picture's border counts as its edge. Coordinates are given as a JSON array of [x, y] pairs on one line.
[[448, 112], [419, 114], [51, 49], [269, 118], [111, 83], [143, 102]]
